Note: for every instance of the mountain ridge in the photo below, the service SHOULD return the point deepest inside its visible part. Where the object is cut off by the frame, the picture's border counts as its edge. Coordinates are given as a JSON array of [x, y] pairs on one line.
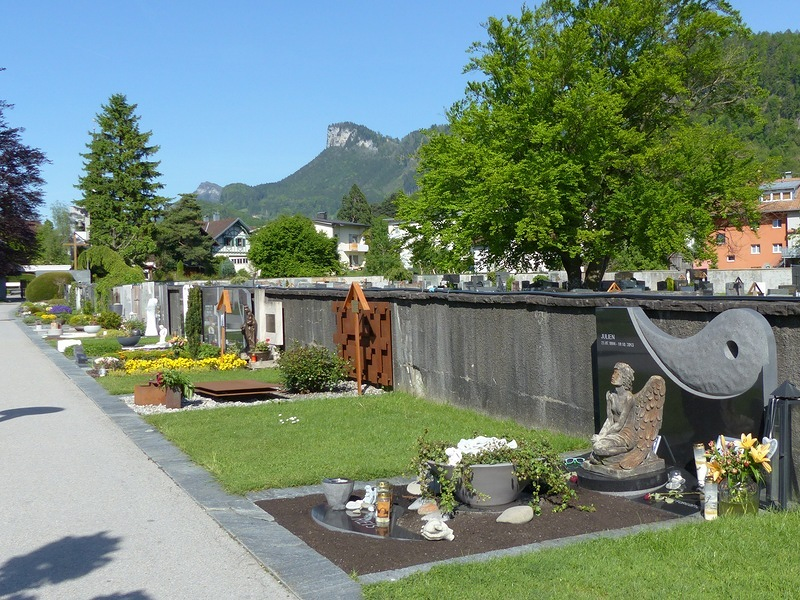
[[354, 154]]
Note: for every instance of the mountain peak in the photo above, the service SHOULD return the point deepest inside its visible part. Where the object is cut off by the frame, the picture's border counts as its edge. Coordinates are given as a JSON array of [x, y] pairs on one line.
[[350, 135]]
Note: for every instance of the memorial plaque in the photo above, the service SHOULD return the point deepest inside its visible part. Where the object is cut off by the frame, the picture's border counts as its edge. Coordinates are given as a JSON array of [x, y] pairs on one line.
[[718, 381]]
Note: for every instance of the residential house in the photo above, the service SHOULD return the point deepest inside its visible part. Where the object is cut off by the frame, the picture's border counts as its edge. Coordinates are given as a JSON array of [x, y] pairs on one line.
[[231, 240], [350, 239], [774, 244]]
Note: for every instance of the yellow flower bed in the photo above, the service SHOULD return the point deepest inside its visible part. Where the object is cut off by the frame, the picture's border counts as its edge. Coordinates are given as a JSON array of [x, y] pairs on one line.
[[47, 317], [227, 362]]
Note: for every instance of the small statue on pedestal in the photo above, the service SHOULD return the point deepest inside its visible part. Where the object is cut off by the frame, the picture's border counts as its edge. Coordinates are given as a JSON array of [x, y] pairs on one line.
[[624, 445]]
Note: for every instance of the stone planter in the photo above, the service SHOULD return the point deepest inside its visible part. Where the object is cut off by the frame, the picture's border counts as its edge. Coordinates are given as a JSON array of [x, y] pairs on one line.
[[259, 356], [495, 485], [91, 328], [128, 340], [150, 394], [337, 491]]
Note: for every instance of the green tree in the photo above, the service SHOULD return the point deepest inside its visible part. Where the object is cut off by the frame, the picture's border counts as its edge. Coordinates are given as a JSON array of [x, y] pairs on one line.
[[20, 196], [54, 236], [591, 128], [291, 247], [120, 183], [355, 207], [108, 270], [181, 238], [193, 324], [383, 257]]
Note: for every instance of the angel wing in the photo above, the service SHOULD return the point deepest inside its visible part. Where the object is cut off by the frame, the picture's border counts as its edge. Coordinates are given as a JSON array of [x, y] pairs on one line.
[[649, 411]]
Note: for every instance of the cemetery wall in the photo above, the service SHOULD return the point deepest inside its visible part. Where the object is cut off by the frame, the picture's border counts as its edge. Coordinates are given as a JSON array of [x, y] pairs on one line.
[[528, 356]]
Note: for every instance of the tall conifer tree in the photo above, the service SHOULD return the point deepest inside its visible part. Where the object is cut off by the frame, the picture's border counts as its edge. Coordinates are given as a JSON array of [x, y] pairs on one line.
[[120, 183]]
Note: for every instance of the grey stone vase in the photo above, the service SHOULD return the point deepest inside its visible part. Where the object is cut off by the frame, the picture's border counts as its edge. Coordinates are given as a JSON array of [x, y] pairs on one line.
[[337, 491]]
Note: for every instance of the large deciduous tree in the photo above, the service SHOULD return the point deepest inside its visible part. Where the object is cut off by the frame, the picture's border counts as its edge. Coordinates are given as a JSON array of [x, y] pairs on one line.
[[181, 238], [592, 128], [20, 196], [120, 183], [290, 246]]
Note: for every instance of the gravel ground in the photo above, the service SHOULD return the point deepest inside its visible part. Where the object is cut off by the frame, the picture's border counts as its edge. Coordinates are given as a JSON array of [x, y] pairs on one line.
[[198, 402]]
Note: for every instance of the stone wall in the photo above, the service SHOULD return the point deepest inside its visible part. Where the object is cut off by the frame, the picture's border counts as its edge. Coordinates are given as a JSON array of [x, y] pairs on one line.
[[528, 357]]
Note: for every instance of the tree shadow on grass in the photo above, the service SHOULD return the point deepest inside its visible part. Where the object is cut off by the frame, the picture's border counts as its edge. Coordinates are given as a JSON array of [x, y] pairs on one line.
[[62, 560], [13, 413]]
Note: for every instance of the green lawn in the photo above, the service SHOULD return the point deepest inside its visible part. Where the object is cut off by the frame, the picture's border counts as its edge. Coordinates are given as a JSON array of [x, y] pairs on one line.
[[733, 557], [360, 437]]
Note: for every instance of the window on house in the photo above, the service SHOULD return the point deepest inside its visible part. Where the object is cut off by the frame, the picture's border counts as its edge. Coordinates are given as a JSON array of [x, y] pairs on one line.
[[355, 260], [731, 258], [353, 238], [755, 249], [720, 239], [776, 223], [777, 248], [227, 241]]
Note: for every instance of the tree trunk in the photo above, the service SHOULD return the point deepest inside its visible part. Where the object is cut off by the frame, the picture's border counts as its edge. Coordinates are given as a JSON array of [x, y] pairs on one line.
[[594, 274], [572, 265]]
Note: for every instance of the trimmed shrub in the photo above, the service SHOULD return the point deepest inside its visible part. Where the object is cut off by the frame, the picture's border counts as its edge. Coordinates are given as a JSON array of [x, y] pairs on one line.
[[193, 324], [311, 368], [109, 320], [47, 285]]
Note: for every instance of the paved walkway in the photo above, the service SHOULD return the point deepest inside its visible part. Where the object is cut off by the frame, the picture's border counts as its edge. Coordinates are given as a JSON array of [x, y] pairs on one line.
[[94, 504]]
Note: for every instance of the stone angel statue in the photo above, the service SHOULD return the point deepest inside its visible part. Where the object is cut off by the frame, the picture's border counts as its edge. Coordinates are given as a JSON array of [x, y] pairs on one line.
[[624, 445]]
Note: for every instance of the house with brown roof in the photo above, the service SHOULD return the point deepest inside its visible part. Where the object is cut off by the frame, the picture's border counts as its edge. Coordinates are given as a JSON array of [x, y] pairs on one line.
[[774, 244], [231, 240]]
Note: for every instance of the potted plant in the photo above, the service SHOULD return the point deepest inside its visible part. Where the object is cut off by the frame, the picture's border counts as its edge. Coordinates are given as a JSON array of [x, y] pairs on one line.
[[132, 328], [169, 387], [93, 326], [738, 466], [489, 471], [262, 351]]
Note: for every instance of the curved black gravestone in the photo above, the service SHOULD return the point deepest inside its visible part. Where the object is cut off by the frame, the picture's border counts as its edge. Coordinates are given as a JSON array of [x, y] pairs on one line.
[[718, 381]]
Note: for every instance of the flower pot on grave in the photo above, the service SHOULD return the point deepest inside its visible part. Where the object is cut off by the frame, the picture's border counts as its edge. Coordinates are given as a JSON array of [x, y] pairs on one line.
[[260, 356], [150, 394], [492, 485], [337, 491], [92, 328], [128, 340]]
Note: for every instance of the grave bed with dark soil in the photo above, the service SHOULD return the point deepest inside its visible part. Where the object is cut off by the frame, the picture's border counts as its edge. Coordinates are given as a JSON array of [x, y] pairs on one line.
[[475, 531]]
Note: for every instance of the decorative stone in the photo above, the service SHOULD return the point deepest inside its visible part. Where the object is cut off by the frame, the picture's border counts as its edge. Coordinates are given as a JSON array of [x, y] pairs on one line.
[[516, 515], [353, 505], [428, 507], [416, 504], [437, 530], [414, 488]]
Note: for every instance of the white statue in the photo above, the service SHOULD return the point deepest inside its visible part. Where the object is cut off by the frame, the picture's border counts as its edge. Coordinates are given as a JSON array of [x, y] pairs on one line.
[[436, 529], [151, 328], [162, 336]]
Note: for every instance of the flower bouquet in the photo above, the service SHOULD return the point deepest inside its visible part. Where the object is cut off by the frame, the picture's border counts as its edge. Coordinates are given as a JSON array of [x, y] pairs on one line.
[[738, 467]]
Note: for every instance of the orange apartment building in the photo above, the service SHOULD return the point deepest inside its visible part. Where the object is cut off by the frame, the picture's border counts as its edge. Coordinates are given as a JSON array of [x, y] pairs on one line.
[[773, 244]]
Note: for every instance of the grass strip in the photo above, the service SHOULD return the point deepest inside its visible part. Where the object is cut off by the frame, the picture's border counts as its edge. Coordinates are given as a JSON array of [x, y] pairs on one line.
[[290, 444], [727, 558]]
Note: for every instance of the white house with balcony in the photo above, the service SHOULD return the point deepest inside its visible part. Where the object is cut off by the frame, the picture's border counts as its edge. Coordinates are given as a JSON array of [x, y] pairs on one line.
[[351, 244], [231, 240]]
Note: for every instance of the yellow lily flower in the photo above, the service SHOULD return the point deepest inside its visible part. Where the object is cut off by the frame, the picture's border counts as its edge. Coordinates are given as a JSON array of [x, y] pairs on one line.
[[717, 474], [748, 441], [759, 455]]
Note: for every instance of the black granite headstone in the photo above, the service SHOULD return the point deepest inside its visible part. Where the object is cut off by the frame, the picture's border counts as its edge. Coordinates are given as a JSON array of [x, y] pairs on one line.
[[718, 381]]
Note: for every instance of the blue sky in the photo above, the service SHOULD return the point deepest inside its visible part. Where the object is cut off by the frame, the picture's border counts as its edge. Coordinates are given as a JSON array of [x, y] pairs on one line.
[[243, 91]]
